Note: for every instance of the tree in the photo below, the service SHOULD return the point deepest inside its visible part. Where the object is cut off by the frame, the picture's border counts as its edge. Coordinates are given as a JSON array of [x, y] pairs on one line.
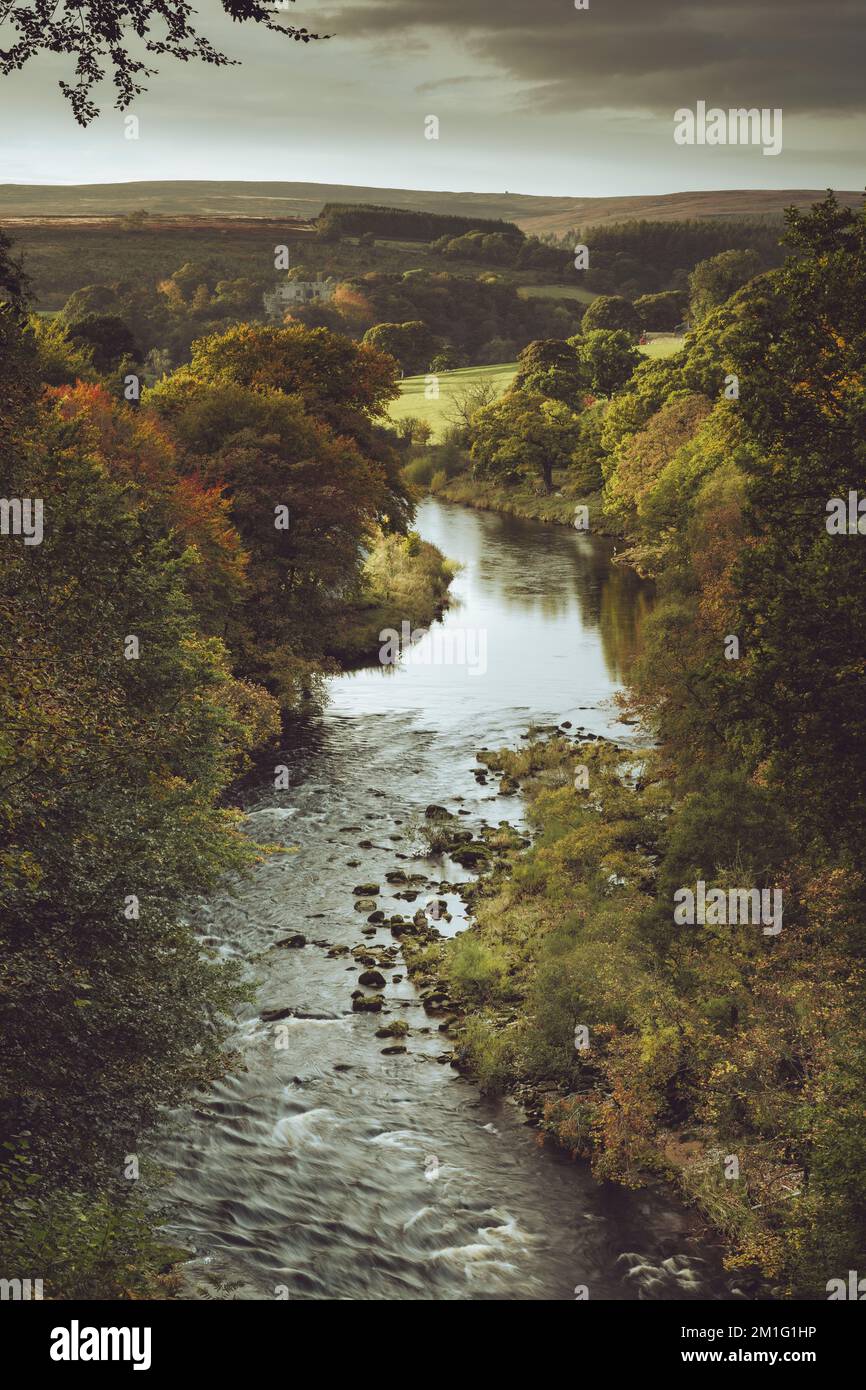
[[523, 435], [552, 368], [612, 311], [345, 385], [643, 456], [98, 34], [465, 404], [62, 362], [715, 280], [14, 284], [662, 313], [799, 692], [607, 358], [412, 344], [265, 451], [107, 339], [113, 764]]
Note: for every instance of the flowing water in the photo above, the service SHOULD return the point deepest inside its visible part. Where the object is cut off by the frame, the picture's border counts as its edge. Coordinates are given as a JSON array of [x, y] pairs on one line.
[[325, 1169]]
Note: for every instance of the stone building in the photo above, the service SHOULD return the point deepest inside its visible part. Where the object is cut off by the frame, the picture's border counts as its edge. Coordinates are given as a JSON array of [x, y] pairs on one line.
[[290, 293]]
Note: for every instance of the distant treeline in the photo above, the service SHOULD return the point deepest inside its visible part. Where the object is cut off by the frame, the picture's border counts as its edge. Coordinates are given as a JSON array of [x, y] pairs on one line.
[[642, 257], [402, 224]]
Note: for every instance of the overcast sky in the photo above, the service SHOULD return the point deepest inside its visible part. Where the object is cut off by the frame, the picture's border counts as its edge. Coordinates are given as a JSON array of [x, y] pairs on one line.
[[532, 96]]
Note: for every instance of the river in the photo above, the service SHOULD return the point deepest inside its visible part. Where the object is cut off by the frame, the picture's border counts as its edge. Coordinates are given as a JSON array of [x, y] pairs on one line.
[[325, 1169]]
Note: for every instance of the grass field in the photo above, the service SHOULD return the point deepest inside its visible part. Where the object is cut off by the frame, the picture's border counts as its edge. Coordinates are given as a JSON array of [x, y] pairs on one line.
[[556, 292], [413, 402], [662, 347]]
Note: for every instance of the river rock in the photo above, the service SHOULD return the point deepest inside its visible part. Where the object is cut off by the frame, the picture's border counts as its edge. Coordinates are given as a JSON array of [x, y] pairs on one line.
[[366, 890], [295, 941], [398, 1029], [365, 905], [437, 813], [368, 1003], [373, 978], [394, 1050], [469, 856]]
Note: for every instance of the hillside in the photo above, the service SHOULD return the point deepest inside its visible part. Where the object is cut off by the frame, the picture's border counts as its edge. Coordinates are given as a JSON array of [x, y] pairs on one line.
[[533, 214]]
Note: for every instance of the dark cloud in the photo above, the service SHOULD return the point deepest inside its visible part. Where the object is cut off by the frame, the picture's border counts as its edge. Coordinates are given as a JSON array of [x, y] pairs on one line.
[[802, 55]]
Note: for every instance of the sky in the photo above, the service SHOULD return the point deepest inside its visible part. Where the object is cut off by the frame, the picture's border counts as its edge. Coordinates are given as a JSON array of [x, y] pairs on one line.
[[531, 96]]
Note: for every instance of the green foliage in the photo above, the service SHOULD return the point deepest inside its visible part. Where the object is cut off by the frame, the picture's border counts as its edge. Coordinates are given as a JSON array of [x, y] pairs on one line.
[[355, 219], [642, 257], [523, 435], [608, 357], [62, 361], [473, 969], [612, 311], [553, 369], [662, 313], [412, 344], [713, 282]]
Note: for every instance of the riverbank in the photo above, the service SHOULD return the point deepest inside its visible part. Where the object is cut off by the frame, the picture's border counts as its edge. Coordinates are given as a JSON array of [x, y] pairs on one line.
[[405, 579], [523, 501], [554, 996]]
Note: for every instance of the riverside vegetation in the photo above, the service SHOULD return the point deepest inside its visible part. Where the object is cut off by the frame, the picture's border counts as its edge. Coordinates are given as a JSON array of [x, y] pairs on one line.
[[208, 554], [729, 1060]]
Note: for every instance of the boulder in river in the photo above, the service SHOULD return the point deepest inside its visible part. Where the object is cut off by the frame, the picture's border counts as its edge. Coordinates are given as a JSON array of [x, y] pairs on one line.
[[469, 856], [372, 978], [437, 813], [366, 890], [295, 941], [365, 905], [368, 1003], [397, 1029]]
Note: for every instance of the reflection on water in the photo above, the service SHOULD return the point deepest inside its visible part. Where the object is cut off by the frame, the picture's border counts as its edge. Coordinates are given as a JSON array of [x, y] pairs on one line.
[[327, 1169]]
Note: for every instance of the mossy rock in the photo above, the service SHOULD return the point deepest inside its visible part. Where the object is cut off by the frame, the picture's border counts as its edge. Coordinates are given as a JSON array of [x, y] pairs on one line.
[[398, 1029], [368, 1003]]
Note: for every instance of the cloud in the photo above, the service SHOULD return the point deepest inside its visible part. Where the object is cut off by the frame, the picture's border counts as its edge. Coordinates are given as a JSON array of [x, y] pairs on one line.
[[802, 55]]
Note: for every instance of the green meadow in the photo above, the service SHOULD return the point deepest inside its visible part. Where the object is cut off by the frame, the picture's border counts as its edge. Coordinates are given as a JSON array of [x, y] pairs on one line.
[[413, 402], [556, 292]]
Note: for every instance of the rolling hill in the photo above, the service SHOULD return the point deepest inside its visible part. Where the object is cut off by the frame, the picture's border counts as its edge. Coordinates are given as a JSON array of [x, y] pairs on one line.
[[304, 200]]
